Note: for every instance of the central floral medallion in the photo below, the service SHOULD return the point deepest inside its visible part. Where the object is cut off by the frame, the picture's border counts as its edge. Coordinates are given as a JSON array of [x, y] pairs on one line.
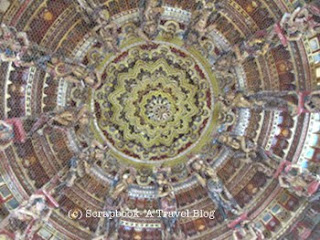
[[158, 109], [155, 103]]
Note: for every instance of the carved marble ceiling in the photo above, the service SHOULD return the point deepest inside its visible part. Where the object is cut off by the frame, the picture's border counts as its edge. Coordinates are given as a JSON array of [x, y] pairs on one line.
[[205, 107]]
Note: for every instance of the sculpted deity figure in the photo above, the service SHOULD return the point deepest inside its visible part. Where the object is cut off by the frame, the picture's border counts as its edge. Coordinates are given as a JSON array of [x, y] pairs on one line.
[[308, 102], [107, 32], [286, 101], [167, 201], [151, 8], [150, 12], [245, 228], [86, 8], [121, 186], [202, 23], [302, 21], [75, 171], [144, 177], [225, 67], [298, 180], [59, 66], [226, 116], [258, 44], [66, 118], [6, 134], [292, 27], [34, 56], [114, 201], [70, 117], [84, 77], [238, 143], [81, 164], [31, 215], [278, 101], [13, 44], [218, 193], [239, 100], [62, 68]]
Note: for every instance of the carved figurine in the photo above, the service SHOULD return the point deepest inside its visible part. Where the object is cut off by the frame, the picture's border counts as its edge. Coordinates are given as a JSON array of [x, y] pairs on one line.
[[202, 23], [298, 180], [218, 193], [114, 201], [107, 32], [67, 118], [226, 116], [34, 56], [167, 201], [86, 8], [278, 101], [84, 77], [286, 101], [31, 215], [59, 67], [303, 21], [225, 67], [63, 119], [13, 44], [144, 177], [238, 143], [244, 228], [150, 12], [258, 44], [74, 171], [240, 100]]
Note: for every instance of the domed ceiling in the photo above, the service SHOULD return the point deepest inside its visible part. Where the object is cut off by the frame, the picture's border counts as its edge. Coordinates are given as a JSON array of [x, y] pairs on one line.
[[169, 119]]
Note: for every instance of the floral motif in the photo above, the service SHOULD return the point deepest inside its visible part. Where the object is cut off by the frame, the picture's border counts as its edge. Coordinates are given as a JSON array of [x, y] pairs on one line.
[[154, 103]]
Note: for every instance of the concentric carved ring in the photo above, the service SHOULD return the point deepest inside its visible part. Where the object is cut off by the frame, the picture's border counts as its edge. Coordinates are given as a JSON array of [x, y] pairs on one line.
[[155, 103]]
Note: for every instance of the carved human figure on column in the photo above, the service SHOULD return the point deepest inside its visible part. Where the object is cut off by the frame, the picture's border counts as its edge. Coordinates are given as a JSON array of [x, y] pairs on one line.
[[31, 215], [84, 77], [225, 67], [297, 179], [150, 13], [245, 228], [74, 172], [218, 193], [240, 100], [257, 45], [13, 44], [107, 32], [86, 8], [238, 143], [167, 202], [286, 101], [114, 201], [302, 21], [202, 23], [65, 118]]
